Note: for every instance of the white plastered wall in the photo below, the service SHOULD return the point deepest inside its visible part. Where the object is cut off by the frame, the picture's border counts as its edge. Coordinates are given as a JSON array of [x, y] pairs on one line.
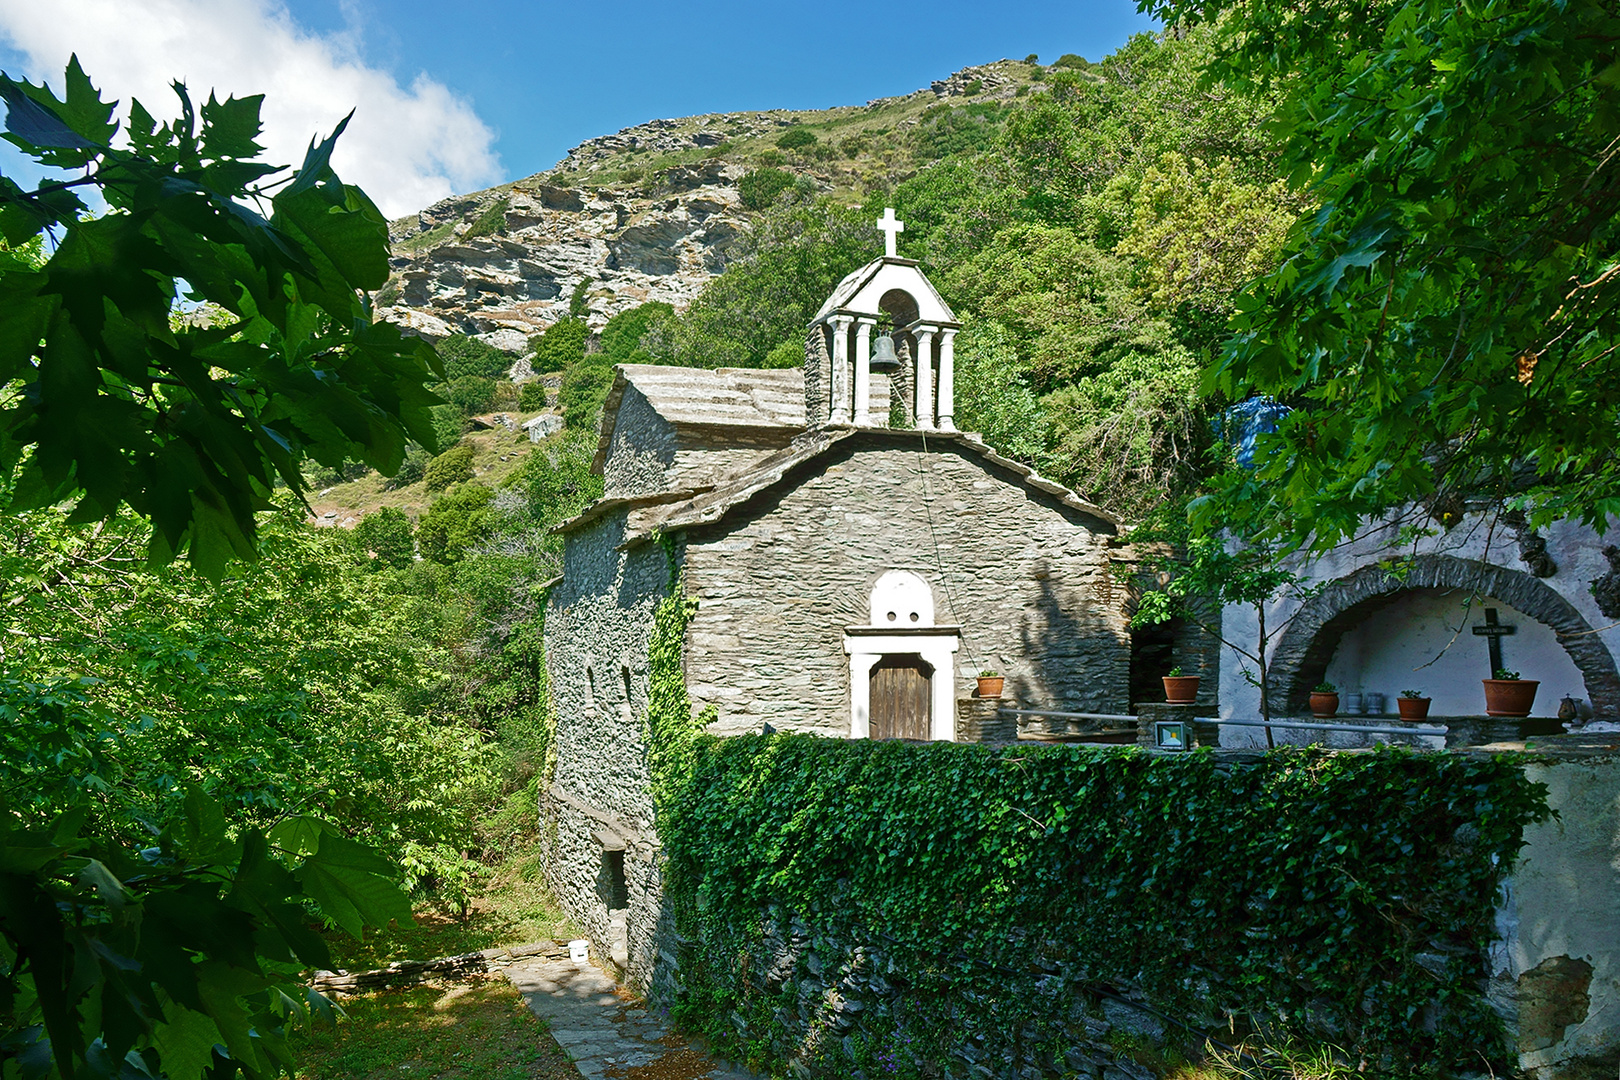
[[1575, 548]]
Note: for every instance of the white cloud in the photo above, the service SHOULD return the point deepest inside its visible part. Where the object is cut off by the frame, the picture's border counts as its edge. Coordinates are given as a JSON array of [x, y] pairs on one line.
[[408, 147]]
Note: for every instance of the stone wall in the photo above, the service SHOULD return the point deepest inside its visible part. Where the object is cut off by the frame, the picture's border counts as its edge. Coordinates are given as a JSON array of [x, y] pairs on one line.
[[1026, 578], [843, 1002], [642, 456], [1554, 972], [598, 624]]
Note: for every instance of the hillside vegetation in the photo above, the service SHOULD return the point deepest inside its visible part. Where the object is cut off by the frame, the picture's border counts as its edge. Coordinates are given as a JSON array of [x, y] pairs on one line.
[[1088, 223]]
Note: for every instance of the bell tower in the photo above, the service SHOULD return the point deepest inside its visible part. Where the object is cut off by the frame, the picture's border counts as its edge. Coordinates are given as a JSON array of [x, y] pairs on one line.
[[884, 328]]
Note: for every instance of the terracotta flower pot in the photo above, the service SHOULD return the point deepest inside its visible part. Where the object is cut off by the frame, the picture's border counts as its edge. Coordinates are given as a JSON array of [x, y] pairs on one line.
[[1509, 697], [1413, 708], [991, 687], [1324, 706], [1180, 689]]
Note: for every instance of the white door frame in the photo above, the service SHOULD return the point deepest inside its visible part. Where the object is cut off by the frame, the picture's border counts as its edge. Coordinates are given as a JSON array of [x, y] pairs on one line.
[[936, 645]]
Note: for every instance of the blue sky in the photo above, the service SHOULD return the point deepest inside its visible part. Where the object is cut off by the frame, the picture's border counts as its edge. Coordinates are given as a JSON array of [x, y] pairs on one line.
[[548, 76], [453, 98]]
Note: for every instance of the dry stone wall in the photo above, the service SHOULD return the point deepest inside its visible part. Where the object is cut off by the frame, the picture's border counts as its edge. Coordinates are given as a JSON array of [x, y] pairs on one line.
[[1027, 580]]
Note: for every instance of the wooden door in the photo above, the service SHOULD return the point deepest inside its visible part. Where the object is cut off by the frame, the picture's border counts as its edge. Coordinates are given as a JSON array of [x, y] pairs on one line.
[[902, 698]]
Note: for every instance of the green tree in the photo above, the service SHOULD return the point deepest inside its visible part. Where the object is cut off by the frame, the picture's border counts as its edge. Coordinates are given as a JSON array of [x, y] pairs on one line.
[[993, 395], [621, 337], [385, 538], [780, 276], [1446, 322], [584, 388], [143, 931], [471, 394], [193, 426]]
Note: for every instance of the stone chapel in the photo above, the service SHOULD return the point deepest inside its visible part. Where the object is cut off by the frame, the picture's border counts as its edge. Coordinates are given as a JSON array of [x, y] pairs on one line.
[[856, 562]]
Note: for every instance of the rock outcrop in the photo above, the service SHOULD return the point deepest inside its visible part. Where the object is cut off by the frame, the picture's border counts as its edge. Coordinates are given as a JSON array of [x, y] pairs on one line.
[[628, 245]]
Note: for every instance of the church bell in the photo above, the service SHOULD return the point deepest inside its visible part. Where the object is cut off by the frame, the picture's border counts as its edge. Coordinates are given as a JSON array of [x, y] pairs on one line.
[[884, 360]]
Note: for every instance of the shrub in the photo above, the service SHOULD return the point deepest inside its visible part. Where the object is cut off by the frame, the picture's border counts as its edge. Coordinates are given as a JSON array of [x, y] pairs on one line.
[[579, 301], [854, 145], [771, 159], [412, 469], [472, 394], [455, 523], [559, 345], [489, 223], [449, 423], [1032, 58], [463, 355], [760, 187], [621, 337], [384, 538], [451, 467], [531, 396], [795, 138], [1072, 61], [585, 386], [976, 86]]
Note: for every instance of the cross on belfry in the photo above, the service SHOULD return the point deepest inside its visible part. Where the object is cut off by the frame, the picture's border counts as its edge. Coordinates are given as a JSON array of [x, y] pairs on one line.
[[1494, 631], [891, 226]]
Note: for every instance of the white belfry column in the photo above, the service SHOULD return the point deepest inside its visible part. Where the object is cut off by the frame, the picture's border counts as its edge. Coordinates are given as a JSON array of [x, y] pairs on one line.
[[863, 371], [947, 380], [840, 370], [925, 376]]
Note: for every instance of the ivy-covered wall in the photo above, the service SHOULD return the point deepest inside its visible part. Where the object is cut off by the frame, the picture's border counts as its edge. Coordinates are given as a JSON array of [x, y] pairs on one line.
[[881, 908]]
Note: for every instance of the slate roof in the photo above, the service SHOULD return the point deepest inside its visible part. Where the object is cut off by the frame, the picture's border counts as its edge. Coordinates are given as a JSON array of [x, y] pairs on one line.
[[707, 507], [734, 398]]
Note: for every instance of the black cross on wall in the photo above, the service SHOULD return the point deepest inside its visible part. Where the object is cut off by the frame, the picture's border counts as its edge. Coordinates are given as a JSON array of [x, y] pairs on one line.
[[1493, 631]]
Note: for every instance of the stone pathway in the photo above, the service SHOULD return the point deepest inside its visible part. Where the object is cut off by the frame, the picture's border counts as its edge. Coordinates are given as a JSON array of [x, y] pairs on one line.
[[609, 1034]]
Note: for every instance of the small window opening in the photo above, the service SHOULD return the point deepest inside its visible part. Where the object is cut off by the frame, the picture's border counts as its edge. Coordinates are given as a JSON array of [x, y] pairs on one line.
[[590, 688], [615, 885], [625, 672]]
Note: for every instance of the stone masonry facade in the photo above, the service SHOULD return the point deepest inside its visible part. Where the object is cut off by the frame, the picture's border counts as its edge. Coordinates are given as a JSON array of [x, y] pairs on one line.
[[1028, 581]]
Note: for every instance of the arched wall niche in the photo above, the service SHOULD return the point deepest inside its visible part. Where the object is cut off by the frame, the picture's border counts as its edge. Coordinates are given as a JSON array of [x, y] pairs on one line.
[[1308, 643]]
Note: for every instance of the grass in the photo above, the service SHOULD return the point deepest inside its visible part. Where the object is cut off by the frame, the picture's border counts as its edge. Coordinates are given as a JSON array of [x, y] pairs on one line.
[[357, 498], [467, 1029], [1255, 1060], [514, 908], [473, 1029]]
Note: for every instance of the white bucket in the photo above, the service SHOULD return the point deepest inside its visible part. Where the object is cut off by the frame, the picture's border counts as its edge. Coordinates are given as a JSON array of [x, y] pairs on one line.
[[579, 951]]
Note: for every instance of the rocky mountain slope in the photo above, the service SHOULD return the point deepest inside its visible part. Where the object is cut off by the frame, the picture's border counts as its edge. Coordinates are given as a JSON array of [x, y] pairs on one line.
[[654, 211]]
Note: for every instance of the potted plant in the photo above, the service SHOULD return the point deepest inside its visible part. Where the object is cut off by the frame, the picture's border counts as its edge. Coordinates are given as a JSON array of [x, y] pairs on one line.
[[1180, 689], [1324, 700], [1509, 695], [990, 684], [1412, 705]]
